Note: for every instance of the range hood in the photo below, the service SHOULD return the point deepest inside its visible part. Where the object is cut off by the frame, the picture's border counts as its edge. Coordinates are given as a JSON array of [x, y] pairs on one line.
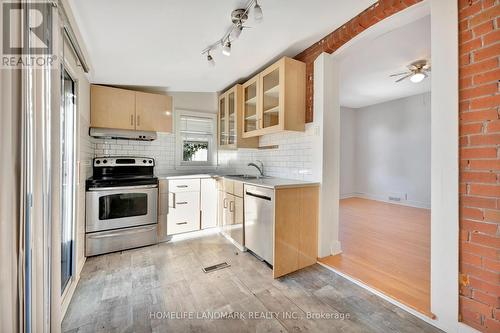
[[113, 133]]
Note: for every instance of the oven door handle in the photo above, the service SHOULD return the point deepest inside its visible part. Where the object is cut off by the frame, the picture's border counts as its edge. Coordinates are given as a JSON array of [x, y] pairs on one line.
[[121, 233], [118, 188]]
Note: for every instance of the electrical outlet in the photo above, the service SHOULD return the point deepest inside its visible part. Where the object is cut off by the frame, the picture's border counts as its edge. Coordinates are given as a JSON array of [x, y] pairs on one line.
[[397, 196]]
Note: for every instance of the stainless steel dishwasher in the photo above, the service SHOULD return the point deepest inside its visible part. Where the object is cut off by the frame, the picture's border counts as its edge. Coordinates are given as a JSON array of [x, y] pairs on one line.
[[259, 221]]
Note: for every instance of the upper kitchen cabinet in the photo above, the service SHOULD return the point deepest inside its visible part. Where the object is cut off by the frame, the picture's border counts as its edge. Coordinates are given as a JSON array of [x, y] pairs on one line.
[[153, 112], [275, 99], [112, 107], [249, 106], [230, 115], [127, 109]]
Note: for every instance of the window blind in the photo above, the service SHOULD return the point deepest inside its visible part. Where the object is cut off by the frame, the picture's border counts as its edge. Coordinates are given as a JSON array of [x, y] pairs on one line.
[[196, 125]]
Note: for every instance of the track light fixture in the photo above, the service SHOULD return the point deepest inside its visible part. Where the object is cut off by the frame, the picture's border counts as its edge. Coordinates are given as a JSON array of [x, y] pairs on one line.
[[238, 18]]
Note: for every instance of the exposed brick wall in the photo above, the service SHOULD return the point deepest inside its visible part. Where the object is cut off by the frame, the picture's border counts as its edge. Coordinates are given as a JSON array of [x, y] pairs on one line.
[[479, 74], [331, 42]]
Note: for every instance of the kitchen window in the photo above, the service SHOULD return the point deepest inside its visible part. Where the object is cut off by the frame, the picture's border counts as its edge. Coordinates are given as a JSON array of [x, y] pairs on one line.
[[196, 133]]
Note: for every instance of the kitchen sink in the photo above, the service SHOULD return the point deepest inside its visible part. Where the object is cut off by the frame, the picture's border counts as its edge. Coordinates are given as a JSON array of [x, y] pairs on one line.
[[247, 176]]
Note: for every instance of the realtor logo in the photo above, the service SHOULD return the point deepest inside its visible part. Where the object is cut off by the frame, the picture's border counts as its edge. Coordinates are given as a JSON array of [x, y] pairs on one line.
[[27, 33]]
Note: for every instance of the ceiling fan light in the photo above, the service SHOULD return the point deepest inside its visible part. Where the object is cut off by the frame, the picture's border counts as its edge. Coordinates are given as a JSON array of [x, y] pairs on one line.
[[257, 12], [226, 49], [417, 77]]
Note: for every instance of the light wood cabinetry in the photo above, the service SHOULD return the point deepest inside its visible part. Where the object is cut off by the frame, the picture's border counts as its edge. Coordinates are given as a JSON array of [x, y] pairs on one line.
[[127, 109], [153, 112], [275, 99], [229, 120], [295, 229], [112, 107], [250, 106]]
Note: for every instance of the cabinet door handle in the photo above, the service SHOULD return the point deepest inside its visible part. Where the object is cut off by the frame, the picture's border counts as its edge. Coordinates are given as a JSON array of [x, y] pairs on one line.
[[138, 120], [181, 223], [231, 206], [225, 202], [182, 186], [181, 203], [131, 120]]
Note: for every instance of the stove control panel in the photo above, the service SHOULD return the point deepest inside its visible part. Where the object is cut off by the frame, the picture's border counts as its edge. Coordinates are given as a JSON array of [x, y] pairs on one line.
[[116, 161]]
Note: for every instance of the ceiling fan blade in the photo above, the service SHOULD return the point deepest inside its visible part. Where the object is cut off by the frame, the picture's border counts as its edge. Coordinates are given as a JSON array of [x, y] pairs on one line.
[[404, 77], [398, 74]]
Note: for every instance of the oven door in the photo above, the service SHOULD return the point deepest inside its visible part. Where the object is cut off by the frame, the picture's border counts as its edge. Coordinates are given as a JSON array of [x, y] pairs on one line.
[[119, 207]]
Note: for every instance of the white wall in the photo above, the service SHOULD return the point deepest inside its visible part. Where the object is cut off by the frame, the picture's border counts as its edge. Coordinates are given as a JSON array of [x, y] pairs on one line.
[[347, 151], [195, 101], [392, 150]]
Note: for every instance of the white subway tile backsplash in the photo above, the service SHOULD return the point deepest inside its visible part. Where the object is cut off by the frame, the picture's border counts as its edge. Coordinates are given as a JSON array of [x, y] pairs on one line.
[[162, 150], [292, 159]]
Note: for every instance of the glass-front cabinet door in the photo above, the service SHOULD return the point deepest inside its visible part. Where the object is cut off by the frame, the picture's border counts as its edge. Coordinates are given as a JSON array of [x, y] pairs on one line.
[[222, 121], [271, 96], [231, 117], [250, 106]]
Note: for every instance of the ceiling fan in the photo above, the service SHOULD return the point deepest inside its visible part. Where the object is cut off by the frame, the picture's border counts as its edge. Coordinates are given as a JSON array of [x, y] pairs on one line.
[[417, 71]]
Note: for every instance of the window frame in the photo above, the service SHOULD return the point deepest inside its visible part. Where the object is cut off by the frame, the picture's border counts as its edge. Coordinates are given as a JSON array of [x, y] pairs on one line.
[[179, 141]]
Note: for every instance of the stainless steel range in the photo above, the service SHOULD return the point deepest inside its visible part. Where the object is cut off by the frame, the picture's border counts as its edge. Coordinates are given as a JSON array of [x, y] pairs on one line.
[[121, 204]]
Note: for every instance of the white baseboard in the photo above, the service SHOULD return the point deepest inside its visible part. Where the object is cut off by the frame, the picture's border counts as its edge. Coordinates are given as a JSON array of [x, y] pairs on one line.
[[347, 195], [377, 197], [336, 248]]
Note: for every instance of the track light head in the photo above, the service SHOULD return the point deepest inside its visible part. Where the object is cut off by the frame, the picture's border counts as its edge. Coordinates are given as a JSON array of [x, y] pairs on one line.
[[257, 12], [226, 49], [237, 31], [210, 59]]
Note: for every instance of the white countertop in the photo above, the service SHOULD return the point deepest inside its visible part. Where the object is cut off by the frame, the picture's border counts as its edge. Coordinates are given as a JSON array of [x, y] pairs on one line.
[[275, 183], [269, 182], [187, 176]]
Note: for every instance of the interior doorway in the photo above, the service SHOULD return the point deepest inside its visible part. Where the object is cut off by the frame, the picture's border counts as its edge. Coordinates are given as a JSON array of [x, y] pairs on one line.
[[385, 164]]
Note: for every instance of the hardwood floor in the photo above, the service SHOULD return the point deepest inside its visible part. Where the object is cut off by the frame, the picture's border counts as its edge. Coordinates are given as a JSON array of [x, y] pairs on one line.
[[135, 291], [387, 247]]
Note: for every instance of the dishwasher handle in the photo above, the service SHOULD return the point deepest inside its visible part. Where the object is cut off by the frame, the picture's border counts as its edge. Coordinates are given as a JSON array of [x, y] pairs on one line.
[[260, 196]]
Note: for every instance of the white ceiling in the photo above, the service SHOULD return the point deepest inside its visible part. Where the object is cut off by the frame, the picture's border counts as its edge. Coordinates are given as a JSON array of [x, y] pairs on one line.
[[365, 66], [158, 43]]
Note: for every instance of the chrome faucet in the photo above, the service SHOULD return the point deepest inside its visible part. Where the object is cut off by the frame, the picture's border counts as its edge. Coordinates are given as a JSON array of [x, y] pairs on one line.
[[260, 168]]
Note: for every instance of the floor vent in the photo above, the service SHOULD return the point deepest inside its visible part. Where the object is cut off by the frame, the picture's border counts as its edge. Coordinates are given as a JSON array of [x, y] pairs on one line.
[[216, 267]]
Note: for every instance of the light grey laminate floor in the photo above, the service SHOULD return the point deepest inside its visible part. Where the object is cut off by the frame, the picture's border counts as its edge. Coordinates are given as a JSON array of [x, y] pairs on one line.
[[162, 288]]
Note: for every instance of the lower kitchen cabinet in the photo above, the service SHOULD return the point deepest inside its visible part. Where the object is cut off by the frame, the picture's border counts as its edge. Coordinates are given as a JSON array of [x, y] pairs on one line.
[[162, 210], [296, 214], [208, 202], [236, 231], [187, 204], [183, 212], [231, 211]]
